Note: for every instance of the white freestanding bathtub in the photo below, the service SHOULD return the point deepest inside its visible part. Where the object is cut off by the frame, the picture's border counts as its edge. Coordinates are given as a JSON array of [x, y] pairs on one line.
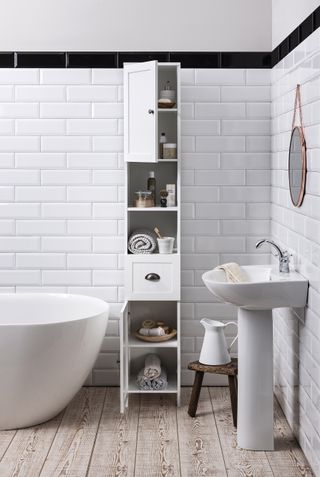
[[48, 345]]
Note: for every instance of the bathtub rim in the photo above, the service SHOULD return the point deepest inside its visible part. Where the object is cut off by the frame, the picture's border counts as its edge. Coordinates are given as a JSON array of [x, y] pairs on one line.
[[65, 296]]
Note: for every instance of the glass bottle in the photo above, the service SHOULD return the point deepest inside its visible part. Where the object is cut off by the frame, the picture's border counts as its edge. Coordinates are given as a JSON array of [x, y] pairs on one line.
[[162, 141], [151, 186]]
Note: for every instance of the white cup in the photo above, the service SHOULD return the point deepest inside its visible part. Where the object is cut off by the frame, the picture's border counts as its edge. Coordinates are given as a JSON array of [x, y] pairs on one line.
[[165, 244]]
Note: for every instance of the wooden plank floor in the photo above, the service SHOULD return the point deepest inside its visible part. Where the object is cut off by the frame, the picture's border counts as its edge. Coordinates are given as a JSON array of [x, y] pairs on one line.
[[154, 438]]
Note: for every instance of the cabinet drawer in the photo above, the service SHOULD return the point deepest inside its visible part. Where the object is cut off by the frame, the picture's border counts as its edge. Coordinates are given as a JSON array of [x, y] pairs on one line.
[[153, 277]]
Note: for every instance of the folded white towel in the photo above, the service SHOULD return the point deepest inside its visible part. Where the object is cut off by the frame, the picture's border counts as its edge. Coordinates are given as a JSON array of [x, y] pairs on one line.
[[234, 272], [152, 366], [152, 331]]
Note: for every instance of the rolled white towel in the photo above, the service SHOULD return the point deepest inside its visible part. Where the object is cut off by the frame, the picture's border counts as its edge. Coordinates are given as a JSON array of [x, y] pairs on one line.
[[142, 241], [234, 273], [152, 331], [152, 366]]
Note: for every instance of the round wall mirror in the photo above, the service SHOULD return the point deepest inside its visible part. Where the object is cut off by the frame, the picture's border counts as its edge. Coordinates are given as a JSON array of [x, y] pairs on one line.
[[297, 166]]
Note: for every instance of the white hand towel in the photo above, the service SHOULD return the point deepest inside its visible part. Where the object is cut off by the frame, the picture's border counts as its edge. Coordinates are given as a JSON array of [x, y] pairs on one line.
[[152, 366], [234, 273], [152, 331]]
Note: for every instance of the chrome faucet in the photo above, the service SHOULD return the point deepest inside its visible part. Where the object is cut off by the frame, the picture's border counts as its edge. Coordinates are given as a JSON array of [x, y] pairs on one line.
[[284, 257]]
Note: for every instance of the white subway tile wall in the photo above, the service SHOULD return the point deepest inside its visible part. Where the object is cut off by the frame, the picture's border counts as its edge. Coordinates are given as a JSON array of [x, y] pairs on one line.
[[61, 188], [297, 340]]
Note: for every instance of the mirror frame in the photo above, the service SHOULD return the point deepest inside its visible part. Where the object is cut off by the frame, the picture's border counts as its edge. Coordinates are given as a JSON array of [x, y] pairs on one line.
[[303, 145]]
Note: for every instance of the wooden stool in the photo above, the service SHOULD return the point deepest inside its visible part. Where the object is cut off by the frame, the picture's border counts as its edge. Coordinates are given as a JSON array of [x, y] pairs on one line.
[[231, 370]]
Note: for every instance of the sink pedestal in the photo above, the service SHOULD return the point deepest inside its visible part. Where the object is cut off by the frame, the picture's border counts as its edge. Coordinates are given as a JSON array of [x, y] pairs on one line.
[[264, 290], [255, 392]]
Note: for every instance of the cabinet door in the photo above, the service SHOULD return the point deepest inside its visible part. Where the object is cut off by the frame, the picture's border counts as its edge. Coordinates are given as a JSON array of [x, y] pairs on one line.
[[140, 112]]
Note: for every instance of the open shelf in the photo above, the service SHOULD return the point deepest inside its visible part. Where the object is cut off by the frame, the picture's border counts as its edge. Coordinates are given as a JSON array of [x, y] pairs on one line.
[[152, 209], [165, 171], [171, 388], [167, 160]]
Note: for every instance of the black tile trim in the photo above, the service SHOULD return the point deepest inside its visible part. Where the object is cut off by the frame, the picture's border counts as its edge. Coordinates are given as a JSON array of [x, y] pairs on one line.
[[196, 59], [248, 59], [92, 60], [136, 56], [7, 60], [41, 60], [297, 36], [188, 59]]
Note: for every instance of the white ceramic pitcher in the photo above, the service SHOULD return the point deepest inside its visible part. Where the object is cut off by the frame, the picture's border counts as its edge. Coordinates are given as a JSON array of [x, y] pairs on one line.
[[214, 349]]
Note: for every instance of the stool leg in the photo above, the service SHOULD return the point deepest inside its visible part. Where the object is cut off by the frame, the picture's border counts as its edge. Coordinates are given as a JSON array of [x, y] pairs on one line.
[[233, 397], [196, 388]]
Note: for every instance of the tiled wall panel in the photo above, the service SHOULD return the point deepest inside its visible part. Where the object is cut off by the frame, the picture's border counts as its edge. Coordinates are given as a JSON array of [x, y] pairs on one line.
[[61, 181], [297, 337]]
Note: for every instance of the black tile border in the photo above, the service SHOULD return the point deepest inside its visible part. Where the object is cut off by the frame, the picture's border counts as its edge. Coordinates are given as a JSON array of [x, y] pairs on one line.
[[40, 60], [136, 56], [297, 36], [197, 59], [188, 59], [246, 59], [91, 60], [7, 60]]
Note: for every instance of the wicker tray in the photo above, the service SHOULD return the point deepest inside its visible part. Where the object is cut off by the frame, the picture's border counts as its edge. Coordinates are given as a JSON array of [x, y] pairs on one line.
[[156, 339], [166, 105]]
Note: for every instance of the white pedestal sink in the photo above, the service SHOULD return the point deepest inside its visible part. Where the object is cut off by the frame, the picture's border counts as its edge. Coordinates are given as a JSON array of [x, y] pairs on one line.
[[267, 289]]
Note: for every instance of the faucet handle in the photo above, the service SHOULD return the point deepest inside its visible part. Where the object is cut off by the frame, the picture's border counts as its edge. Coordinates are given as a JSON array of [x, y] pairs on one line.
[[284, 262]]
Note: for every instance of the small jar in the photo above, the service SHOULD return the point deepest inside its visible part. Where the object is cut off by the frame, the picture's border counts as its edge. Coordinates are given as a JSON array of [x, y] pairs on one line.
[[143, 199], [169, 151]]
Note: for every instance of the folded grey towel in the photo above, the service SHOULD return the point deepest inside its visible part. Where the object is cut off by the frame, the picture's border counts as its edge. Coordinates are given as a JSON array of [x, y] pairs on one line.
[[156, 384], [142, 241]]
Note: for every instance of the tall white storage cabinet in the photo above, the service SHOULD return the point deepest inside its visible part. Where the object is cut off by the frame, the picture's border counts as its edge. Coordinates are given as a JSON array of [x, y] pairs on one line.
[[152, 281]]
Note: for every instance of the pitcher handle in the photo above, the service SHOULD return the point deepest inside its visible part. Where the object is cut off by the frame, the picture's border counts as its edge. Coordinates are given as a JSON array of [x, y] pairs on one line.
[[235, 339]]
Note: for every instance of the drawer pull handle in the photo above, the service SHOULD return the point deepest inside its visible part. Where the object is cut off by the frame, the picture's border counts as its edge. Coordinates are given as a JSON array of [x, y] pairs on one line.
[[152, 277]]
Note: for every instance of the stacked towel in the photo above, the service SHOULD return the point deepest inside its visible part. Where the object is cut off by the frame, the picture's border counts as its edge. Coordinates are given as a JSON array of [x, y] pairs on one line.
[[234, 273], [152, 366], [156, 384], [142, 241], [153, 376]]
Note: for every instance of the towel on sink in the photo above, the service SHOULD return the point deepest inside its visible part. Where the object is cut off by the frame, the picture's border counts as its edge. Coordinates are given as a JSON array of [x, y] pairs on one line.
[[234, 273]]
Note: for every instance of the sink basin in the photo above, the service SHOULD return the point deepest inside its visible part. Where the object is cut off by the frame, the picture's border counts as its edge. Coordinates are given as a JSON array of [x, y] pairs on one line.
[[266, 289]]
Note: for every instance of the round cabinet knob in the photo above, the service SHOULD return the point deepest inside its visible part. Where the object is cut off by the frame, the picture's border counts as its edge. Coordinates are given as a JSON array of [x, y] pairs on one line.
[[152, 277], [150, 111]]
